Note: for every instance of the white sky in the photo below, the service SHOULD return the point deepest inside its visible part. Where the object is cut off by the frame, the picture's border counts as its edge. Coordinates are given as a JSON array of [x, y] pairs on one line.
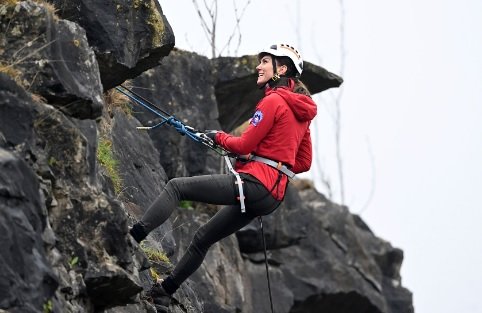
[[413, 90]]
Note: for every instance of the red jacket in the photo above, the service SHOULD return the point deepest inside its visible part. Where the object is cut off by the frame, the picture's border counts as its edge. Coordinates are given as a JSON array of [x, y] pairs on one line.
[[279, 130]]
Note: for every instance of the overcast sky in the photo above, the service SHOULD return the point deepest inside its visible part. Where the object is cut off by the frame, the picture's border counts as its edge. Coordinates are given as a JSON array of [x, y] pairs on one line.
[[411, 122]]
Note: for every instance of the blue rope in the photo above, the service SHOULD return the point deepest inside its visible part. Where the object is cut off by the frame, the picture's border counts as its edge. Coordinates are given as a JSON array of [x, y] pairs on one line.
[[170, 120], [181, 128]]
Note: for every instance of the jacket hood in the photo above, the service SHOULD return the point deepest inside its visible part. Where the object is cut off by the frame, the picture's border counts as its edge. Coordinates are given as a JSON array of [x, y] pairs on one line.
[[303, 107]]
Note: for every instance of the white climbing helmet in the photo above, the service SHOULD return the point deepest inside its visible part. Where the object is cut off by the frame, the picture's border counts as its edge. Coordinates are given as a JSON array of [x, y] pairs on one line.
[[284, 50]]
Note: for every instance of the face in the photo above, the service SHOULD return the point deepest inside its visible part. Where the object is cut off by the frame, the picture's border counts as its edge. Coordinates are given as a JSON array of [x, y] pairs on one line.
[[265, 70]]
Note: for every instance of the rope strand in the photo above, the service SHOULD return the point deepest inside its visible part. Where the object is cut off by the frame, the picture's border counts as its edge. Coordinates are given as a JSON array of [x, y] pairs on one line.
[[171, 120], [266, 262]]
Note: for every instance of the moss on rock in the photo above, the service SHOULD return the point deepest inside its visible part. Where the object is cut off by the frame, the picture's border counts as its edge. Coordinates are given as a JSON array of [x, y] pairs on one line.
[[156, 22]]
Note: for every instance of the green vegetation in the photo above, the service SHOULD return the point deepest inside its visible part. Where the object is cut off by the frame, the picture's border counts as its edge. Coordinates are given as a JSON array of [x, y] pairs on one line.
[[73, 261], [52, 161], [114, 99], [48, 307], [154, 274], [106, 158], [155, 255], [156, 23], [185, 204]]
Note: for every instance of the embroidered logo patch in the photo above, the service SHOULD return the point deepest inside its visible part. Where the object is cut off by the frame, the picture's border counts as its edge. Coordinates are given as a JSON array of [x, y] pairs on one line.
[[257, 117]]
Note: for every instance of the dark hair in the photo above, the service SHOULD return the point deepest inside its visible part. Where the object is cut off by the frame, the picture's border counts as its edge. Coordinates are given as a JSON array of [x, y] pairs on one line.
[[301, 88], [291, 72]]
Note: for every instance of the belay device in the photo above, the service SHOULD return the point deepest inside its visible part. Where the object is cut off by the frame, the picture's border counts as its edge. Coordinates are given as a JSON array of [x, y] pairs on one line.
[[201, 138]]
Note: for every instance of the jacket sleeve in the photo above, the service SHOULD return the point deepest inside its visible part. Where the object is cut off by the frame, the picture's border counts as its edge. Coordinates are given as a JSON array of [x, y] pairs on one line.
[[254, 133], [304, 155]]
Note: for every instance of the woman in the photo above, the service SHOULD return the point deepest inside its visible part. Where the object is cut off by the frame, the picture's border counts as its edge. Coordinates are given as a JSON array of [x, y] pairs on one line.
[[278, 132]]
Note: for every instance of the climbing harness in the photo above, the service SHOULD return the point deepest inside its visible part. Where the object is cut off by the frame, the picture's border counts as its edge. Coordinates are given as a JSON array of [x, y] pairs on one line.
[[171, 120], [277, 165], [239, 182]]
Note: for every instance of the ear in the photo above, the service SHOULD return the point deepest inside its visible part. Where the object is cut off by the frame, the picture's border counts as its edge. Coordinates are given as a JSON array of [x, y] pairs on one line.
[[282, 69]]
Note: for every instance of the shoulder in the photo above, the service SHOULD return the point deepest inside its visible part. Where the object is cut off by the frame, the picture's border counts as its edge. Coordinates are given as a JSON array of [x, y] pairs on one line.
[[273, 100]]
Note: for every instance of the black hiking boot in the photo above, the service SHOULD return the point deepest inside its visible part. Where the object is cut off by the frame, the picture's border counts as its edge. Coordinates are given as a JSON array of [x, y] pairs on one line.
[[138, 232], [160, 297]]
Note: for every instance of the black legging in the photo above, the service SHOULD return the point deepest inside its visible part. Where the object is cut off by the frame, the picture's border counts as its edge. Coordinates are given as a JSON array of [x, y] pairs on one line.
[[213, 189]]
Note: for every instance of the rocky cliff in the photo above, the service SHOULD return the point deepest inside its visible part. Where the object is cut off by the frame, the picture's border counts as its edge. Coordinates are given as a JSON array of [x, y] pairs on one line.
[[75, 173]]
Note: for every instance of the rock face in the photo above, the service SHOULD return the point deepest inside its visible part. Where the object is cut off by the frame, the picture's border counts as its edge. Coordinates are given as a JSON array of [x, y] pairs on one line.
[[321, 239], [128, 37], [52, 57], [83, 229], [187, 92], [27, 277], [75, 172]]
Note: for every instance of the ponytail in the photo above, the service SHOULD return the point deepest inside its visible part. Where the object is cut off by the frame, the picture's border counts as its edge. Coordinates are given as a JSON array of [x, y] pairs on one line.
[[300, 87]]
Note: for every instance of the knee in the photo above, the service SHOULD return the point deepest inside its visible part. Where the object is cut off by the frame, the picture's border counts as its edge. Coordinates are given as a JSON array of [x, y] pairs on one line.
[[172, 188], [173, 183], [200, 241]]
